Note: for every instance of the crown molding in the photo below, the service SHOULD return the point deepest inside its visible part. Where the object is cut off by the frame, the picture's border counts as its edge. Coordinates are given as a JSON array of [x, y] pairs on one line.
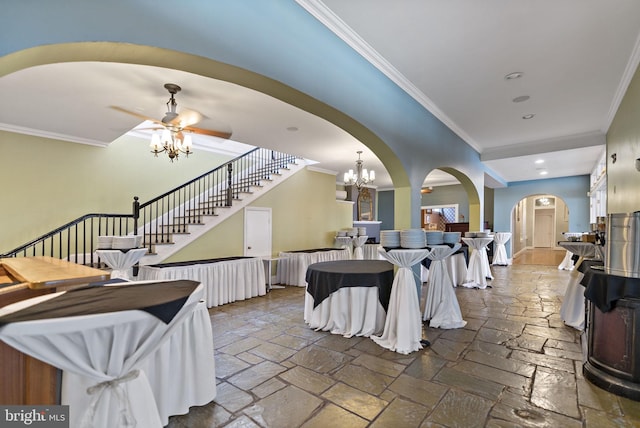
[[527, 148], [333, 22], [52, 135], [627, 76]]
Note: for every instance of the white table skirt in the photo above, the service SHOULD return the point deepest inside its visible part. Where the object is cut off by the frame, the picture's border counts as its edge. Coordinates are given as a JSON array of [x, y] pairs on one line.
[[370, 252], [456, 267], [223, 281], [292, 267], [441, 303], [349, 311], [500, 253], [479, 270], [91, 349], [121, 262], [572, 311], [567, 262], [403, 325]]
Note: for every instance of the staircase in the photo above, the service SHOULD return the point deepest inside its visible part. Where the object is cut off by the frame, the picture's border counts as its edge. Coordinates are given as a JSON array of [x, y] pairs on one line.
[[170, 232], [171, 221]]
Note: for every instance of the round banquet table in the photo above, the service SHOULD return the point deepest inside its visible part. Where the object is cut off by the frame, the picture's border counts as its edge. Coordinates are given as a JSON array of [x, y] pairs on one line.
[[572, 311], [441, 304], [348, 297], [479, 270], [403, 326]]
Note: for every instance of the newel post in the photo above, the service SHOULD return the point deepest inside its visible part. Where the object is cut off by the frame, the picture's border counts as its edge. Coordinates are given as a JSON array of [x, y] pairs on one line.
[[136, 214], [229, 184]]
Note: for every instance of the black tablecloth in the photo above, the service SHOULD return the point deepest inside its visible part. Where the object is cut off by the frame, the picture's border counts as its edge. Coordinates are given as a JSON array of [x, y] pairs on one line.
[[603, 289], [315, 250], [327, 277], [163, 300], [198, 262], [464, 249]]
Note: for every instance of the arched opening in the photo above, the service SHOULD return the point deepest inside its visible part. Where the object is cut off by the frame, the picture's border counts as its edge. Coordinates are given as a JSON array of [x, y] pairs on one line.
[[538, 222], [450, 201]]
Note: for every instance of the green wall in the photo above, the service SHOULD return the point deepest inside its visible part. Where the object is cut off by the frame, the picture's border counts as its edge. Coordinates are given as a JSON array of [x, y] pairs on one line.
[[305, 214], [48, 183], [623, 141]]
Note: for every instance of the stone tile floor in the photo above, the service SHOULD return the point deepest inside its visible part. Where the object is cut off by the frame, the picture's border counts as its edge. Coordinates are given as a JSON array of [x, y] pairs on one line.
[[515, 364]]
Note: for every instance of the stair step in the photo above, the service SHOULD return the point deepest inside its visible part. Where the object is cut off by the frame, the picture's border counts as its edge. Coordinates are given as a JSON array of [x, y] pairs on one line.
[[177, 227], [199, 212]]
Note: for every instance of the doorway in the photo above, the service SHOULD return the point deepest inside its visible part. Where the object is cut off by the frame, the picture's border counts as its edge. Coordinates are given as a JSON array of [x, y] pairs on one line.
[[543, 228], [257, 232]]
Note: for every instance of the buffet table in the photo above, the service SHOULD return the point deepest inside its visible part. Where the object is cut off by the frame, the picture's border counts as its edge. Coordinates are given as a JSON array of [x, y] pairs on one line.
[[225, 280], [370, 252], [572, 311], [479, 270], [348, 297], [403, 326], [137, 352], [613, 349], [293, 265], [441, 304]]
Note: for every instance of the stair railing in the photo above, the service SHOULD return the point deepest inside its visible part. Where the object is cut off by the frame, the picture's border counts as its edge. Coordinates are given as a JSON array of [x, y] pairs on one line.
[[162, 216], [172, 212], [76, 241]]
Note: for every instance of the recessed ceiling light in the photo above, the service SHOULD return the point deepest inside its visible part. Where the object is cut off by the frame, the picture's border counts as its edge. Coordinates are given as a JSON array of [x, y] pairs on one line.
[[528, 116], [292, 128], [540, 161], [514, 75], [545, 172], [521, 98]]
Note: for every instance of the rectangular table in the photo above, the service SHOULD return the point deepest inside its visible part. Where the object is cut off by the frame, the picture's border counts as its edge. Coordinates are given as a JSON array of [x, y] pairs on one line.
[[348, 297], [225, 280]]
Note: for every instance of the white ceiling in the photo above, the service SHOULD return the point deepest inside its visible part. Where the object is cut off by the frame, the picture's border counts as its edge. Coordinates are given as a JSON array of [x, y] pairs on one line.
[[576, 56]]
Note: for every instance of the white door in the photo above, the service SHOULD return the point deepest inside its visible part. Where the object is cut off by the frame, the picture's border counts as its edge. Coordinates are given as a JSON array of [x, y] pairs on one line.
[[257, 232], [543, 228]]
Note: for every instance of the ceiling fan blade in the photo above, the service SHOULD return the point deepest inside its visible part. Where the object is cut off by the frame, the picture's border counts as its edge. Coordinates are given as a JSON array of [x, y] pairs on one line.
[[133, 113], [187, 118], [210, 132]]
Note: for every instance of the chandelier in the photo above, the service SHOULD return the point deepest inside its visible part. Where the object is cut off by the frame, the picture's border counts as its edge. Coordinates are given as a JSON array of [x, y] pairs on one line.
[[361, 176], [171, 141], [171, 138]]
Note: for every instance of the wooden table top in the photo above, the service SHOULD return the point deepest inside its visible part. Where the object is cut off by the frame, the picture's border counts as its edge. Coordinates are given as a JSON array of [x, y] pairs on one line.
[[43, 272]]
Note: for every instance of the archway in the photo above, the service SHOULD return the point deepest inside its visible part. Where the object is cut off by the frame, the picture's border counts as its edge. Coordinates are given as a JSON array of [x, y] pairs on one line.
[[538, 222], [207, 67], [455, 198]]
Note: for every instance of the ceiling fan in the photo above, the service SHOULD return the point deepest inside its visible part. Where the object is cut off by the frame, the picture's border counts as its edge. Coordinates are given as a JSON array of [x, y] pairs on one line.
[[175, 127]]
